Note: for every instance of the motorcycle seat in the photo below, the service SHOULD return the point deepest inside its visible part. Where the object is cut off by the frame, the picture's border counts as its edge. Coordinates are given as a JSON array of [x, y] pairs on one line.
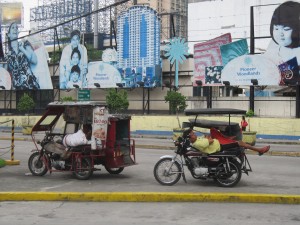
[[79, 148], [225, 153]]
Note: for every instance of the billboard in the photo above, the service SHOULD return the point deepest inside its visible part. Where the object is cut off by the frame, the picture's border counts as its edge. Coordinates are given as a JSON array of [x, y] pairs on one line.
[[208, 54], [26, 61], [102, 74], [284, 48], [241, 70], [233, 50], [11, 12], [279, 65], [73, 65], [138, 41]]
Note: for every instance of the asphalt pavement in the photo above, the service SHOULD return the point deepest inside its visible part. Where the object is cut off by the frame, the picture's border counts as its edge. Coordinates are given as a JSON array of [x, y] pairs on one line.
[[156, 142]]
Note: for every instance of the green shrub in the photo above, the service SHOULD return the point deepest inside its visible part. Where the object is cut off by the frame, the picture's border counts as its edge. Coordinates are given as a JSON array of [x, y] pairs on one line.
[[26, 104], [176, 100], [117, 101], [250, 113]]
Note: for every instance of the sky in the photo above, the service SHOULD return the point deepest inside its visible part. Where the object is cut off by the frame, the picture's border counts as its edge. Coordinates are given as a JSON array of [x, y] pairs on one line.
[[28, 4]]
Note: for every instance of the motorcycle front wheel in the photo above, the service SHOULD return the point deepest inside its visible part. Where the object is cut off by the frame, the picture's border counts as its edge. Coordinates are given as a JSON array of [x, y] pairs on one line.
[[167, 172], [83, 168], [37, 165], [228, 177]]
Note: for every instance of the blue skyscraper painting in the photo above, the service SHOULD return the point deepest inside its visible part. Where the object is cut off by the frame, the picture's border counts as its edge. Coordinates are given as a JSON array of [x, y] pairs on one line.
[[138, 39]]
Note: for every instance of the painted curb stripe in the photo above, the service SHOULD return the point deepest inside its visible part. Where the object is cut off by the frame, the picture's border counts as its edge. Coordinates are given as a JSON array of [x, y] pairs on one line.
[[150, 197]]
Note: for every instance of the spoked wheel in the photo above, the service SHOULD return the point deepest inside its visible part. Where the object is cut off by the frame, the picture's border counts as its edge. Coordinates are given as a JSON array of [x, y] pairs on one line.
[[167, 172], [114, 170], [83, 168], [37, 165], [228, 177]]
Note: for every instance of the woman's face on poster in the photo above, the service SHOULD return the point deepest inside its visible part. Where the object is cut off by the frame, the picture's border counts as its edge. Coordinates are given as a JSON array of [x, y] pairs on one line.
[[13, 31], [75, 41], [282, 35], [75, 59]]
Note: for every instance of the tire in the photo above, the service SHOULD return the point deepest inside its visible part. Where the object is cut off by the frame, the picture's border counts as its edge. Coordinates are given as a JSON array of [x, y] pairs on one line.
[[114, 170], [83, 168], [231, 178], [167, 172], [37, 165]]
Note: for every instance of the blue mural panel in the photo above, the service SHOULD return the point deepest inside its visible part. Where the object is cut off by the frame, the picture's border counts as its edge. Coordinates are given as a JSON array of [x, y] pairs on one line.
[[138, 40]]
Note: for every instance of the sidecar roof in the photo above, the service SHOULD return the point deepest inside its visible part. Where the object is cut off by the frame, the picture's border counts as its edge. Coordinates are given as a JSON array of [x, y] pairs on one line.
[[215, 111], [76, 103]]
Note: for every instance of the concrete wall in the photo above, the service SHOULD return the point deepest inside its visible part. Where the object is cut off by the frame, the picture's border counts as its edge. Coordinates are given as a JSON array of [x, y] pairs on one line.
[[160, 123]]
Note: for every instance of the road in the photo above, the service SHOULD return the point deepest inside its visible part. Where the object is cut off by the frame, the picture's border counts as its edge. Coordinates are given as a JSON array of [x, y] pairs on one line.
[[183, 213], [271, 174]]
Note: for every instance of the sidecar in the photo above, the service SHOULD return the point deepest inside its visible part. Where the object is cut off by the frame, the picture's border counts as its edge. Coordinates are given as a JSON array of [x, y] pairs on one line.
[[110, 146]]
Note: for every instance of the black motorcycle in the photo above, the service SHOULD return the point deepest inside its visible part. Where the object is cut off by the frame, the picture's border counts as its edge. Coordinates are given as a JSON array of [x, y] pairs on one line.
[[225, 167]]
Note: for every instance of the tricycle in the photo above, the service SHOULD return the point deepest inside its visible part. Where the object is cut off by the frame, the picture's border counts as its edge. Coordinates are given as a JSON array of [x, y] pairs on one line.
[[224, 167], [110, 146]]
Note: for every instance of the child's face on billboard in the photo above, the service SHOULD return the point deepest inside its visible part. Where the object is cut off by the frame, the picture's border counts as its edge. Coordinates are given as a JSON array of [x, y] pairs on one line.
[[282, 35], [75, 59], [74, 77]]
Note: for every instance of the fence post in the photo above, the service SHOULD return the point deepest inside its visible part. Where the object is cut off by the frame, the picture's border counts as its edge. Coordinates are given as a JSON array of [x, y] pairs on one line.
[[12, 160]]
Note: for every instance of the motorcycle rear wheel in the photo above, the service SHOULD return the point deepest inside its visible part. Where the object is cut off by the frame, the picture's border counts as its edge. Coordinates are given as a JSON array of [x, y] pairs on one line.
[[83, 168], [230, 178], [167, 172], [37, 165]]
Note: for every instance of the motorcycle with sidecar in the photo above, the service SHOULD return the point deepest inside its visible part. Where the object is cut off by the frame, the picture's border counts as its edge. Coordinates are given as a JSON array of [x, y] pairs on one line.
[[110, 146], [224, 167]]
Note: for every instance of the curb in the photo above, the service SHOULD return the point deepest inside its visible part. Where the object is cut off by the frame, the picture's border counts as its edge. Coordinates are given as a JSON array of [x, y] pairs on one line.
[[150, 197]]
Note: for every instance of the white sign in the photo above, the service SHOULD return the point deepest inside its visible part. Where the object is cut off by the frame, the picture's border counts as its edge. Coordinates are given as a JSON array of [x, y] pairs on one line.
[[104, 74], [242, 69]]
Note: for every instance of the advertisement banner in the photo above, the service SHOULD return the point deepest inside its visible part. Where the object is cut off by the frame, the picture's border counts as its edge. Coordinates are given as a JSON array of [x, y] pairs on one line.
[[40, 69], [103, 75], [73, 64], [100, 122], [27, 61], [233, 50], [284, 48], [5, 80], [11, 12], [241, 70], [208, 54]]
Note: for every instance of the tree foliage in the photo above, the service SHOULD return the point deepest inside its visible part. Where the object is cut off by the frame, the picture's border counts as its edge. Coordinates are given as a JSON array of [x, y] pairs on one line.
[[117, 101], [26, 103], [176, 100], [250, 113]]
